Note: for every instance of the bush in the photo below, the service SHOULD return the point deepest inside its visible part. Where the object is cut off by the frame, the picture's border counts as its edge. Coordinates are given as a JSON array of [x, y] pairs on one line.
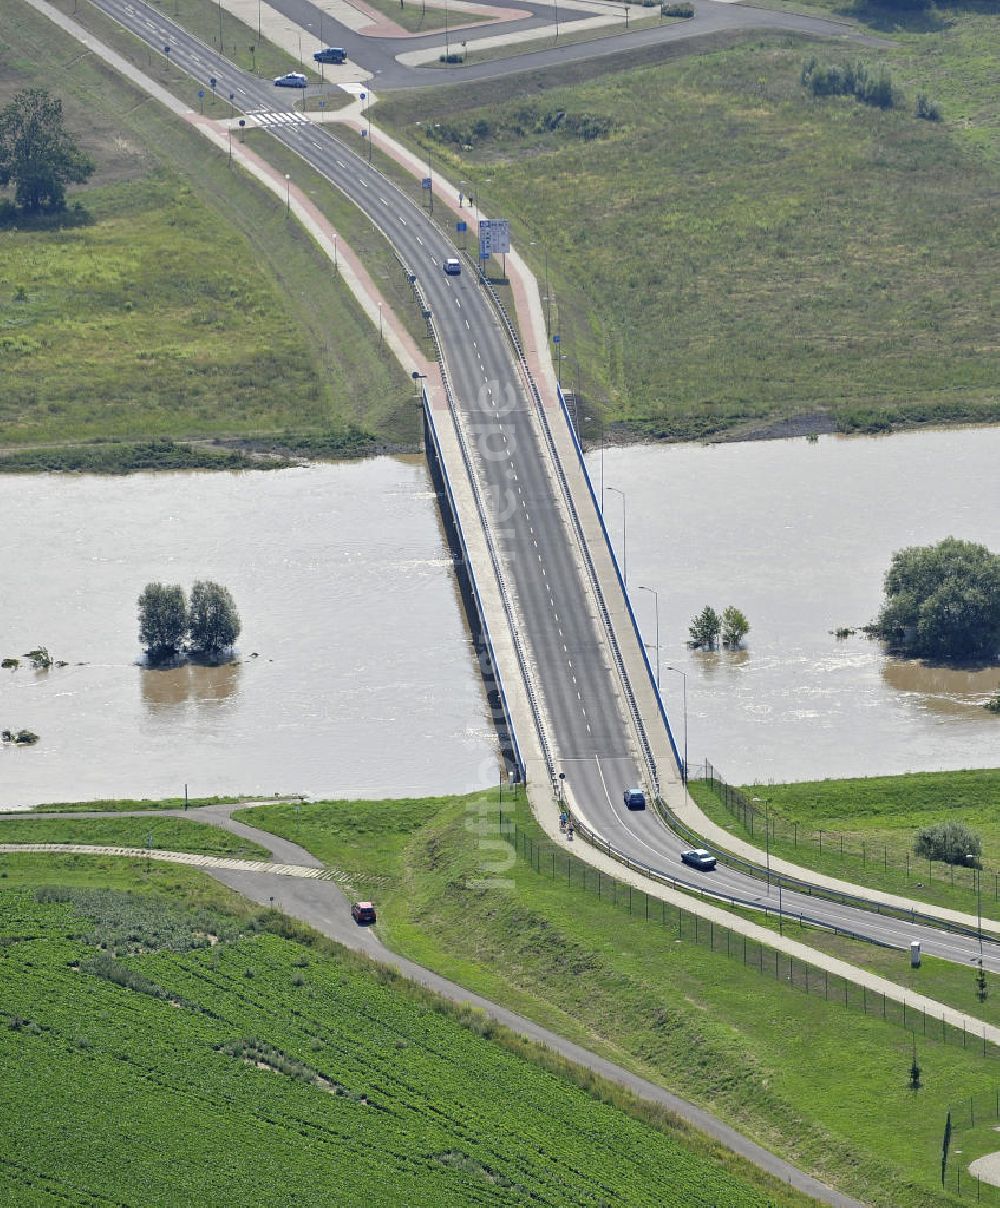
[[450, 58], [850, 80], [951, 842], [676, 10], [928, 110]]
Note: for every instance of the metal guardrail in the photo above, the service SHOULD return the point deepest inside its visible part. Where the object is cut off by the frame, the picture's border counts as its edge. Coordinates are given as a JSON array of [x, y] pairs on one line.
[[457, 521], [491, 547], [531, 387], [664, 878], [628, 600], [812, 890]]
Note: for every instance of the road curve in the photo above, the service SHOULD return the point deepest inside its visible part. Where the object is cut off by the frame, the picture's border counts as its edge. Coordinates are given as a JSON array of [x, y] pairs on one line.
[[320, 904]]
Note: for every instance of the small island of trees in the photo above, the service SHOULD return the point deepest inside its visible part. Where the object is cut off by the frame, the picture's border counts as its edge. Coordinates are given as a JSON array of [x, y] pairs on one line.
[[170, 625], [942, 602]]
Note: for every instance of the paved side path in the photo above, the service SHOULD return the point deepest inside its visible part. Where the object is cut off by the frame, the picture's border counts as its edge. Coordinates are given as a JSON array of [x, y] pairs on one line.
[[300, 891]]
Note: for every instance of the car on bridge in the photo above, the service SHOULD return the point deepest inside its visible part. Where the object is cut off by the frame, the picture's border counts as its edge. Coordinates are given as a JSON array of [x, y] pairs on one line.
[[635, 799], [698, 857], [331, 54], [293, 79], [363, 913], [452, 267]]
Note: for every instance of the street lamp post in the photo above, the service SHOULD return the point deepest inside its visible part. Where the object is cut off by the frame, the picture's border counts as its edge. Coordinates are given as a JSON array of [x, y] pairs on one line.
[[592, 420], [656, 600], [767, 837], [288, 194], [380, 325], [617, 491], [683, 675], [336, 262], [972, 859]]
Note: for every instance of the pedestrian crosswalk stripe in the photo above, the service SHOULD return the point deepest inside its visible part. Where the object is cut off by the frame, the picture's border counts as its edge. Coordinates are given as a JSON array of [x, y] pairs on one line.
[[269, 117]]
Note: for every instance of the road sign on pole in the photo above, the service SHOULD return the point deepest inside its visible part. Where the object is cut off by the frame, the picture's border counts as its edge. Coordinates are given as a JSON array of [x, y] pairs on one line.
[[494, 237]]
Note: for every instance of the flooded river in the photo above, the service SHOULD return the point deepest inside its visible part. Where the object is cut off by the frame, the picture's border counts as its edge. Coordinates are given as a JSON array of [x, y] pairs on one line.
[[354, 674], [799, 535], [363, 681]]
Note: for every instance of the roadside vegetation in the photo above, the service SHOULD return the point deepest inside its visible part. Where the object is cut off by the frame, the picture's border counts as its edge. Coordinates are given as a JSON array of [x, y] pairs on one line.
[[181, 304], [865, 831], [744, 256], [142, 803], [166, 834], [839, 1103], [120, 999]]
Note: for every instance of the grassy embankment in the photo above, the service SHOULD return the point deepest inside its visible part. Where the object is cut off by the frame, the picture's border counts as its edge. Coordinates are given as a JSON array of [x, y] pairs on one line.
[[863, 830], [728, 253], [417, 18], [186, 306], [167, 989], [142, 803], [824, 1085], [167, 834]]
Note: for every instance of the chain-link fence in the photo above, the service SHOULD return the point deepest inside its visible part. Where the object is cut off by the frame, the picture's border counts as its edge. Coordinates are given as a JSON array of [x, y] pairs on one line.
[[557, 862], [769, 829]]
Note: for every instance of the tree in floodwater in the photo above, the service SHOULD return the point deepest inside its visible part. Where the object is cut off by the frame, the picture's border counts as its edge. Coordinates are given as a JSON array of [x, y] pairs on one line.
[[214, 623], [704, 629], [943, 602], [38, 153], [163, 620], [735, 627]]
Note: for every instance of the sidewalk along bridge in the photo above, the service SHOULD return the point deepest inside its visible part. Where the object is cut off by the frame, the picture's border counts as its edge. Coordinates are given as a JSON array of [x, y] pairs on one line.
[[573, 690]]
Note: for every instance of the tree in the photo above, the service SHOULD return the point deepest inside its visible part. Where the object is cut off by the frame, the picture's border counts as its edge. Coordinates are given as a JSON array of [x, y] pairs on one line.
[[37, 153], [735, 627], [943, 602], [214, 622], [704, 629], [915, 1070], [163, 620], [953, 842], [982, 986]]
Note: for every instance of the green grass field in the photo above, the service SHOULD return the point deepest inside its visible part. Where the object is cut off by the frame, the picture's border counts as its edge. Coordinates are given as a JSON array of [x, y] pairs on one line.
[[189, 306], [168, 834], [862, 830], [727, 252], [160, 1039], [824, 1085], [142, 803]]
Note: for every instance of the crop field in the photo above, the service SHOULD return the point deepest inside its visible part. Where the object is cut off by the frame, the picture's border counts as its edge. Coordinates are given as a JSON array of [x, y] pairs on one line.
[[167, 834], [825, 1086], [228, 1064], [863, 830], [726, 252], [183, 303]]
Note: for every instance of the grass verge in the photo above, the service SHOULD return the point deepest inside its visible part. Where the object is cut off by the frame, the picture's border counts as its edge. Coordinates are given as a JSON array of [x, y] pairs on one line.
[[863, 830], [188, 306], [729, 253], [167, 834], [825, 1086]]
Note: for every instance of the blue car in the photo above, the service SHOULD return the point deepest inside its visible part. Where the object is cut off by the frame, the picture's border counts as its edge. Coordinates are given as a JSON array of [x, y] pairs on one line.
[[331, 54], [635, 799], [294, 79]]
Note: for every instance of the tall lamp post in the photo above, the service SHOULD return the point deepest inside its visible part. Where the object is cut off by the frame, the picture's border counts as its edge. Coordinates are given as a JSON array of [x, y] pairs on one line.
[[683, 675], [288, 194], [767, 836], [591, 420], [973, 860], [656, 600], [617, 491]]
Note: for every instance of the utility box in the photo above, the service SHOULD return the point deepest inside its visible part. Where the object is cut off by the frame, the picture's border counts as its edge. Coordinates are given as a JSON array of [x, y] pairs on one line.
[[915, 954]]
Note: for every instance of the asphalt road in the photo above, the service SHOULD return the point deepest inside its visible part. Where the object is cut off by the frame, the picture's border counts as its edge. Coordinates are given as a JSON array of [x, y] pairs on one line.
[[589, 731], [378, 54]]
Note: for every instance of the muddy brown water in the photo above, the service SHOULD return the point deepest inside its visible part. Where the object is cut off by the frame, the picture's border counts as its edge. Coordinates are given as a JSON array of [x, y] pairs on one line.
[[798, 535], [363, 682]]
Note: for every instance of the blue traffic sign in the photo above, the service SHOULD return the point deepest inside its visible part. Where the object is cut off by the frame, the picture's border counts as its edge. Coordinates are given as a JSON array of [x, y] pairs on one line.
[[201, 91], [426, 183], [461, 227], [556, 339]]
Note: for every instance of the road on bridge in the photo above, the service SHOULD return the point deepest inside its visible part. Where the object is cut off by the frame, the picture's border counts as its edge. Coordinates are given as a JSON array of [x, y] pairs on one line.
[[579, 689]]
